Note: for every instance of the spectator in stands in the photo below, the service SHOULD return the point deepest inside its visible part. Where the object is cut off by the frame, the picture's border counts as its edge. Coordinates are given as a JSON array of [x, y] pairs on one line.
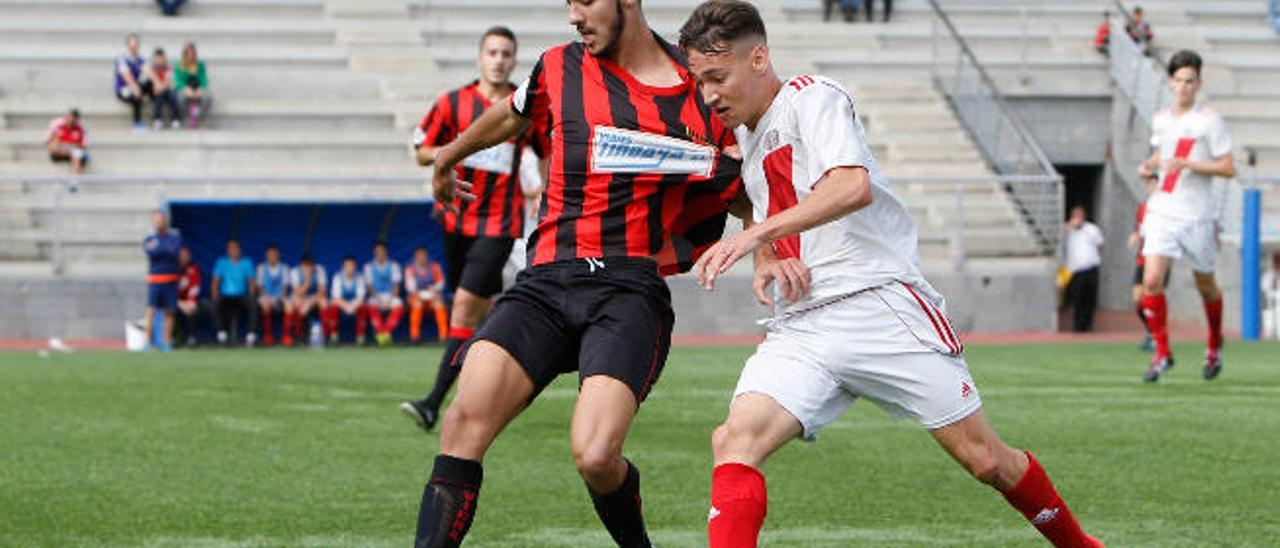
[[847, 7], [163, 94], [188, 298], [308, 285], [888, 10], [193, 86], [65, 141], [1102, 37], [383, 276], [424, 284], [1083, 245], [130, 86], [162, 248], [232, 289], [273, 289], [170, 7], [346, 299], [1140, 31]]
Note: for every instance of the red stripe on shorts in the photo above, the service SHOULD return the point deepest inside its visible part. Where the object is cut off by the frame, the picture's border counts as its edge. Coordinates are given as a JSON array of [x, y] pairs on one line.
[[932, 320]]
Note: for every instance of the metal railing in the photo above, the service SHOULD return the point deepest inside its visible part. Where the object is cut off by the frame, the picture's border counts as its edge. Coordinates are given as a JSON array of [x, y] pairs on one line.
[[70, 195], [1003, 140]]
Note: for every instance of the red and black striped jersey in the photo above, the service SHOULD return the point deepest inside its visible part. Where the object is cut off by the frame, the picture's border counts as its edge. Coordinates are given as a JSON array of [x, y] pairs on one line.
[[498, 210], [636, 170]]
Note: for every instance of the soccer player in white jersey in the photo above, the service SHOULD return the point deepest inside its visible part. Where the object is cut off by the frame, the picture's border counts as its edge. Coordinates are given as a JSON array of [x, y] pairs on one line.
[[1192, 147], [863, 323]]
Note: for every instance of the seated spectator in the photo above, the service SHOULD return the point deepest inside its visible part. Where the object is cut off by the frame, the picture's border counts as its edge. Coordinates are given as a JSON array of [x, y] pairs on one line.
[[232, 290], [163, 95], [273, 288], [424, 285], [65, 141], [130, 86], [188, 298], [193, 87], [383, 276], [307, 283], [162, 248], [1140, 31], [170, 7], [346, 299], [1102, 37]]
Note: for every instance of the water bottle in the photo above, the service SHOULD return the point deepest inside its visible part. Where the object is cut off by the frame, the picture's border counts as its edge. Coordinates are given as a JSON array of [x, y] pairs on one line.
[[316, 339]]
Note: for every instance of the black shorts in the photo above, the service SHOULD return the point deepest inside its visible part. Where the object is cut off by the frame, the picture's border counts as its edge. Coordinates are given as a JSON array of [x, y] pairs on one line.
[[475, 263], [607, 317], [1138, 271]]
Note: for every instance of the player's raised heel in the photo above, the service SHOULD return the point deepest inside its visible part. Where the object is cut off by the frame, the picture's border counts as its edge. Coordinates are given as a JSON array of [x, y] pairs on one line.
[[420, 414]]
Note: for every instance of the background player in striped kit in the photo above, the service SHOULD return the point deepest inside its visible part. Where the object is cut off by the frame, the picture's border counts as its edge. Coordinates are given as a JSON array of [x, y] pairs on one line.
[[863, 322], [479, 233], [637, 186]]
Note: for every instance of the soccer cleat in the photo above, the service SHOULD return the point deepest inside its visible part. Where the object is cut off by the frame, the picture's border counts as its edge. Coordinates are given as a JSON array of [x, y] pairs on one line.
[[1159, 366], [250, 339], [420, 413], [1212, 364], [286, 341], [384, 339]]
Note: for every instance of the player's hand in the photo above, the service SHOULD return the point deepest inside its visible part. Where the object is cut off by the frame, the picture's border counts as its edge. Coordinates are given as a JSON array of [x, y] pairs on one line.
[[792, 276], [1174, 164], [444, 187], [723, 255], [1133, 240], [1144, 171]]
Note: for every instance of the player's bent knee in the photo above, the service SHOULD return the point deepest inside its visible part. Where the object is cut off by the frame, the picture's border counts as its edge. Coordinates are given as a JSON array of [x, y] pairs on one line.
[[596, 459]]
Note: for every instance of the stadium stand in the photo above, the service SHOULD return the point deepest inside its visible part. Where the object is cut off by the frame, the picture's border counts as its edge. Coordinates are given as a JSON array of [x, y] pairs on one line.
[[330, 88]]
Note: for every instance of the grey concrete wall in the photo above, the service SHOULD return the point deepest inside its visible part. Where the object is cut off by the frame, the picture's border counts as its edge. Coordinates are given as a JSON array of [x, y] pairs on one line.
[[976, 301], [1072, 129], [79, 308]]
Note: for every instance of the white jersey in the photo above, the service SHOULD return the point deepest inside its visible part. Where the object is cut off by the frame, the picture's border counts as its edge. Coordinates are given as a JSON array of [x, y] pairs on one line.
[[810, 129], [1198, 135]]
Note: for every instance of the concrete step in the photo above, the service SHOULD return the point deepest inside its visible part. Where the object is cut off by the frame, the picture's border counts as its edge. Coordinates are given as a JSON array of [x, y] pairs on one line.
[[35, 112], [58, 9], [272, 80]]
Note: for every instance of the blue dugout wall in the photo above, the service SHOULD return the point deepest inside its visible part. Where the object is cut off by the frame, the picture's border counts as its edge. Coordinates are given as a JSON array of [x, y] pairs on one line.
[[328, 230]]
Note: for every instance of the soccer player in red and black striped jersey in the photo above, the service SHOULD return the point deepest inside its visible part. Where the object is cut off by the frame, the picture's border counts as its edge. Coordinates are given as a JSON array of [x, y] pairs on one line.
[[478, 234], [638, 187]]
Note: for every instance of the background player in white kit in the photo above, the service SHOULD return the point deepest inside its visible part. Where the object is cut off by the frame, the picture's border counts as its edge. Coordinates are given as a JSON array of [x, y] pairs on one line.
[[1192, 147], [870, 325]]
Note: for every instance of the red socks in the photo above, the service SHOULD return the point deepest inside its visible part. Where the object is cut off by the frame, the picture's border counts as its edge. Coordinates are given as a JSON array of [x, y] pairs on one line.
[[1213, 313], [1036, 499], [738, 506], [1156, 310]]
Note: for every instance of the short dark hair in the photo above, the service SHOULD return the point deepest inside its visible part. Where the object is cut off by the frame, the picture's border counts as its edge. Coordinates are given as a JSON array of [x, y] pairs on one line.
[[380, 243], [499, 30], [273, 246], [233, 240], [717, 23], [74, 112], [351, 258], [306, 258], [422, 248], [159, 51], [1184, 58]]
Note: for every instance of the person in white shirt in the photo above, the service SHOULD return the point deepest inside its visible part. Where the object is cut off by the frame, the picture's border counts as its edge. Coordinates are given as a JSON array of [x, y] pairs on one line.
[[1082, 241], [860, 321], [1192, 147]]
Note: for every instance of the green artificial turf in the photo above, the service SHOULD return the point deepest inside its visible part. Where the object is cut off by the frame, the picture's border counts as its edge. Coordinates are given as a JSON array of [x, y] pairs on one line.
[[214, 448]]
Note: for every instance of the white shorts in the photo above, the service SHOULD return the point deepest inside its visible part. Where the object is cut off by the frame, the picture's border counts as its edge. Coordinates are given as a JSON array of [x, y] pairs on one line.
[[891, 344], [1172, 237], [385, 301]]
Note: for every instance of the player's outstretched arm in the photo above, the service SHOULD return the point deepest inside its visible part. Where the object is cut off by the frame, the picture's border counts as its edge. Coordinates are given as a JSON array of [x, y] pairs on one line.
[[498, 123], [841, 191], [1222, 166]]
